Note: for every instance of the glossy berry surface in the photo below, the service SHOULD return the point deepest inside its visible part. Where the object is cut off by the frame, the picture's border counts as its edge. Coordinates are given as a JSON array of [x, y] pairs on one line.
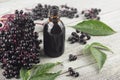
[[40, 12], [70, 69], [72, 72], [19, 45], [72, 57], [79, 37], [76, 74], [91, 13]]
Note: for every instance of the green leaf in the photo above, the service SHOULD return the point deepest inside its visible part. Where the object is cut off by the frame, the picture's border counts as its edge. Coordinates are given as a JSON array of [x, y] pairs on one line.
[[100, 46], [24, 74], [43, 68], [95, 28], [46, 76], [95, 49], [39, 72], [86, 49], [99, 56]]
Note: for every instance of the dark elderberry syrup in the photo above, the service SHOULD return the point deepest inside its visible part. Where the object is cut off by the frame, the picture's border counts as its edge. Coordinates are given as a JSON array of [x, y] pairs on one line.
[[54, 34]]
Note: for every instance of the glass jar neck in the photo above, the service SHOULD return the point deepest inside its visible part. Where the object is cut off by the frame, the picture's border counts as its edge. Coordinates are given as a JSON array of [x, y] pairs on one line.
[[54, 19]]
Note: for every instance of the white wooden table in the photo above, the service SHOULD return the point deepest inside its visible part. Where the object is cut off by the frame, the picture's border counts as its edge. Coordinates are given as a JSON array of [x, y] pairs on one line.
[[85, 65]]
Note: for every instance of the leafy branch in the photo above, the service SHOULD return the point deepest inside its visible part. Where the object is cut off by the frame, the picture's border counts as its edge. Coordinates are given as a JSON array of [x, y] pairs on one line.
[[96, 50], [39, 72]]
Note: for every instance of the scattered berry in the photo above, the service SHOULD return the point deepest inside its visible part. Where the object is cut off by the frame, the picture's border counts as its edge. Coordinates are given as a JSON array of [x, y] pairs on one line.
[[76, 74], [78, 37], [72, 57], [42, 11], [77, 31], [70, 69], [91, 14], [72, 72]]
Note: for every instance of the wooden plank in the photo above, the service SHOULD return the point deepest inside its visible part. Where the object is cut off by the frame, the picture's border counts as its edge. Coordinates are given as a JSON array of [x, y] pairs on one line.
[[110, 69]]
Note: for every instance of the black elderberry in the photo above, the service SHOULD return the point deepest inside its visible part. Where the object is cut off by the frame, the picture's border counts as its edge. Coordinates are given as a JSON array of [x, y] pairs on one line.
[[21, 11], [76, 74], [70, 69], [42, 11], [73, 33], [82, 41], [99, 10], [40, 41], [77, 16], [77, 31], [98, 18], [17, 76], [72, 72], [2, 66], [79, 37], [88, 37], [82, 36], [15, 42], [7, 76], [72, 57], [1, 25], [91, 14], [40, 5], [4, 73], [16, 12], [6, 55]]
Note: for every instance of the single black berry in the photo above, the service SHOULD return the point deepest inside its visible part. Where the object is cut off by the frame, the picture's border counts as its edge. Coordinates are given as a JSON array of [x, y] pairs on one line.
[[1, 25], [76, 74], [70, 69], [72, 57], [77, 31], [72, 73]]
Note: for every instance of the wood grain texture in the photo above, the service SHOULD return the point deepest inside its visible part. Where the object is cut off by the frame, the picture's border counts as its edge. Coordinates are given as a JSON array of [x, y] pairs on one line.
[[85, 64]]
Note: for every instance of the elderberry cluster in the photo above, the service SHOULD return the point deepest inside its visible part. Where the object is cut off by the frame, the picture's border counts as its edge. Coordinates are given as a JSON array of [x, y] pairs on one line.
[[72, 72], [42, 11], [19, 45], [91, 14], [79, 37]]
